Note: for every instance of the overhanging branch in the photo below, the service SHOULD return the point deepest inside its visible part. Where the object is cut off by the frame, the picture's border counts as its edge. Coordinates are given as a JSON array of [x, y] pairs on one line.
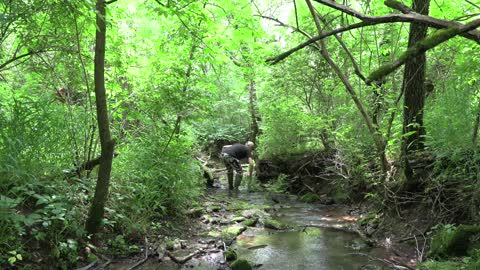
[[421, 47], [471, 34]]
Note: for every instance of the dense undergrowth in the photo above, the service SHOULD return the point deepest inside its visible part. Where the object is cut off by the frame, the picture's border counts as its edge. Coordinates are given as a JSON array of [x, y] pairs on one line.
[[44, 203]]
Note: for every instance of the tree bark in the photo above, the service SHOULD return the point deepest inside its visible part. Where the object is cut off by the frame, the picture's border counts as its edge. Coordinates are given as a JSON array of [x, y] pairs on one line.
[[476, 126], [107, 144], [414, 94], [253, 111]]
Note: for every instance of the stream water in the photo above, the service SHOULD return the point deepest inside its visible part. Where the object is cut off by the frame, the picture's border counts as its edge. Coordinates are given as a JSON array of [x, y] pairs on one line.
[[320, 242], [324, 243]]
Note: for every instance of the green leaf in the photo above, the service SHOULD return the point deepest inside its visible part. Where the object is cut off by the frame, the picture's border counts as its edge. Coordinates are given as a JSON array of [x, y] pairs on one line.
[[410, 133]]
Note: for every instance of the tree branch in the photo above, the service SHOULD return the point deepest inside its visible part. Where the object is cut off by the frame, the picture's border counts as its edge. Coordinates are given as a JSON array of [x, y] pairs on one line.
[[398, 6], [421, 47], [374, 20], [15, 58]]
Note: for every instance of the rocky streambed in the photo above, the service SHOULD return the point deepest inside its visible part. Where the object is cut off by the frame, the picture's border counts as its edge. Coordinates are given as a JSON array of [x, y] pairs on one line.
[[264, 230]]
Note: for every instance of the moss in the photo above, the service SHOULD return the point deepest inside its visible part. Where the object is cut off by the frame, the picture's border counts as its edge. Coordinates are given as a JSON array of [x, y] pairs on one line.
[[242, 205], [275, 224], [451, 240], [241, 265], [310, 198], [437, 38], [238, 219], [254, 213], [249, 222], [170, 245], [230, 255], [382, 72], [92, 257], [214, 234], [233, 231]]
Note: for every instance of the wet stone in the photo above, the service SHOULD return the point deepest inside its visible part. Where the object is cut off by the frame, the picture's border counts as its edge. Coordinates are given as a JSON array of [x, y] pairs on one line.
[[233, 231], [275, 224]]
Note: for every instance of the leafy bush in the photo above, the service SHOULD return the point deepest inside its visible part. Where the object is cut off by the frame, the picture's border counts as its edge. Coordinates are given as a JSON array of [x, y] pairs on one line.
[[154, 179], [288, 130]]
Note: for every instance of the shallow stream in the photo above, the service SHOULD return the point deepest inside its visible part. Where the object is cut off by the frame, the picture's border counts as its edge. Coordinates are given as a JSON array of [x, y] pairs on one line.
[[321, 241]]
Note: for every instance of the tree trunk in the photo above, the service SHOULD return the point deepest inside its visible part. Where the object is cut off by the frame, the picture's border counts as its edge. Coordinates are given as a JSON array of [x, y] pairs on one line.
[[107, 144], [476, 125], [253, 111], [414, 93]]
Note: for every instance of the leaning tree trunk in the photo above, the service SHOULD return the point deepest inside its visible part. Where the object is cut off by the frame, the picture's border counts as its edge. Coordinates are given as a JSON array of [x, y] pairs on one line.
[[107, 144], [414, 94]]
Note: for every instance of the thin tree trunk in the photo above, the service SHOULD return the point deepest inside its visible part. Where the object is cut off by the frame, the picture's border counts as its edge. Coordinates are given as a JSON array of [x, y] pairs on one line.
[[107, 144], [254, 111], [476, 126], [379, 141], [414, 93]]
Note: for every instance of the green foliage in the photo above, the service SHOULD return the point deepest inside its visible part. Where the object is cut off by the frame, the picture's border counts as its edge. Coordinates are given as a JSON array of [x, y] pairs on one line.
[[280, 185], [287, 130], [118, 246], [453, 241], [159, 179], [436, 265]]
